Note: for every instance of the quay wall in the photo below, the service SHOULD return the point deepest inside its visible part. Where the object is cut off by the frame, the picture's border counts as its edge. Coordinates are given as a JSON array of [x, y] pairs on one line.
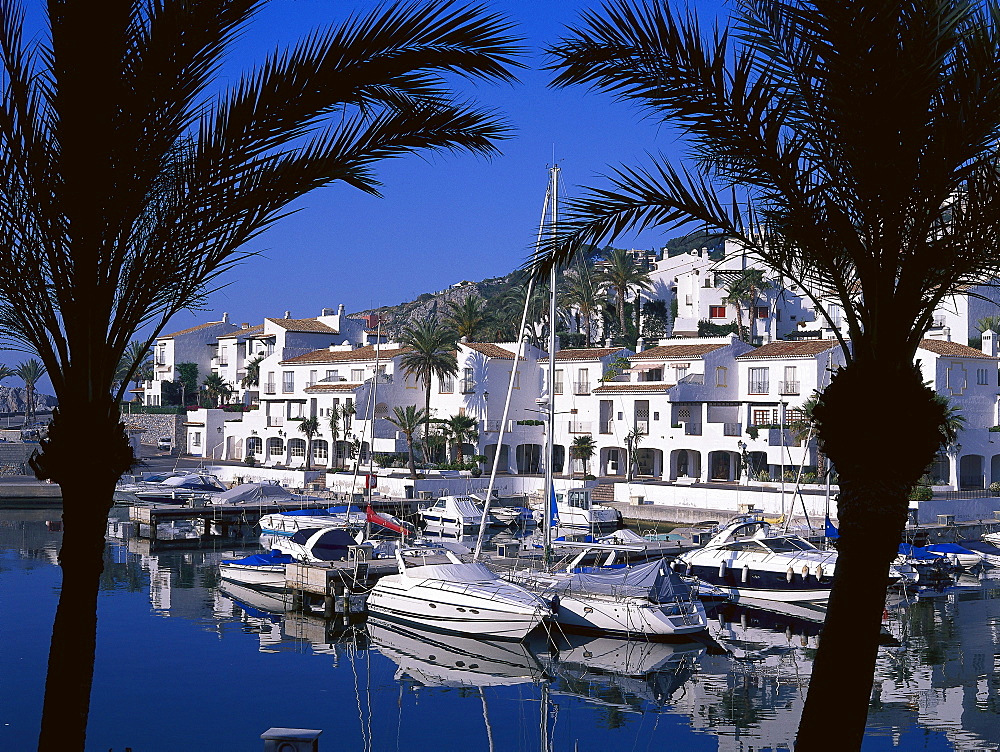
[[691, 502], [156, 425]]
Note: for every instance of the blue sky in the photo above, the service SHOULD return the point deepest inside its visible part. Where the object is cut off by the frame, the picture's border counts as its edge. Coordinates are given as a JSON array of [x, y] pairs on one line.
[[442, 218]]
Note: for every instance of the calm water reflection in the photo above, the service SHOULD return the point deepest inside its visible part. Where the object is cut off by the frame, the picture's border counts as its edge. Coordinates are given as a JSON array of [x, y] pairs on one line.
[[187, 662]]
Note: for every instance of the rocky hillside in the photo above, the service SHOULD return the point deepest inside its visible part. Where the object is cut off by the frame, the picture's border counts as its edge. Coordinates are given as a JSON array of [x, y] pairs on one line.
[[14, 400]]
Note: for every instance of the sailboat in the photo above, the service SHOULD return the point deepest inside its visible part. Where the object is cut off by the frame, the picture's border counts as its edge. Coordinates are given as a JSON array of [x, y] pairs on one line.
[[647, 600]]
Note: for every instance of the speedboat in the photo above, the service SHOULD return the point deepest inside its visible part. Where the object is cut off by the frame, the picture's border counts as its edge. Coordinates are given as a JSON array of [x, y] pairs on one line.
[[171, 488], [347, 517], [312, 545], [747, 558], [645, 600], [575, 510], [459, 598], [460, 513], [264, 571]]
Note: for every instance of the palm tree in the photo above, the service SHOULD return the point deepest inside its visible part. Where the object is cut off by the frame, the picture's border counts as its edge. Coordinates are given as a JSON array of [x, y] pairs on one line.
[[852, 148], [512, 307], [252, 377], [632, 441], [466, 317], [620, 275], [431, 354], [582, 294], [461, 429], [131, 178], [743, 291], [29, 371], [309, 427], [408, 420], [217, 389], [334, 423], [583, 448]]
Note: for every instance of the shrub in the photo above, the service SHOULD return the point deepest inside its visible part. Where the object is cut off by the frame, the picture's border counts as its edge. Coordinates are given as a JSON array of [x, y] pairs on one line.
[[921, 493], [994, 487], [250, 461]]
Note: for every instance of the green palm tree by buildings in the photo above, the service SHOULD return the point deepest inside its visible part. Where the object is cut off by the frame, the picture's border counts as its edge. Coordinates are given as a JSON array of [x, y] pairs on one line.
[[622, 276], [29, 371], [432, 354], [408, 420], [583, 448], [461, 429], [309, 427], [466, 317], [217, 389]]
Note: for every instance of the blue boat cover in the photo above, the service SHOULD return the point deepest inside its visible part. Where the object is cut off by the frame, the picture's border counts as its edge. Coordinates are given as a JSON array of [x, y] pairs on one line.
[[917, 552], [831, 529], [321, 512], [261, 560], [947, 548]]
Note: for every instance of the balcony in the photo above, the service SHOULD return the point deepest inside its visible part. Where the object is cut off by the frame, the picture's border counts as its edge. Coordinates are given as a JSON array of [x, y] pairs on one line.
[[732, 429], [270, 388], [558, 387], [581, 426], [788, 387], [467, 387], [692, 429], [275, 421], [491, 426], [581, 387], [607, 426], [758, 387]]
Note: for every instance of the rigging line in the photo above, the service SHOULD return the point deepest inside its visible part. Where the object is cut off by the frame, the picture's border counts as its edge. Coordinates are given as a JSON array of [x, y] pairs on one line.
[[521, 344], [364, 430]]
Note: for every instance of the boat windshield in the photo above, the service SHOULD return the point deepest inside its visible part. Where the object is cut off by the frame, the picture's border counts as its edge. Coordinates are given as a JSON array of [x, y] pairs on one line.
[[788, 544]]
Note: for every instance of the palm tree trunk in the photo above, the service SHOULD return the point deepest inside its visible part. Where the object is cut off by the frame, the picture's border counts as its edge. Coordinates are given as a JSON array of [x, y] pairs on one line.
[[872, 510], [409, 447], [88, 495], [427, 418], [621, 314]]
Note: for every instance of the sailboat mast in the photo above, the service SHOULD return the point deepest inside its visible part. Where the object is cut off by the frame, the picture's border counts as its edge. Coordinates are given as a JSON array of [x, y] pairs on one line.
[[551, 417]]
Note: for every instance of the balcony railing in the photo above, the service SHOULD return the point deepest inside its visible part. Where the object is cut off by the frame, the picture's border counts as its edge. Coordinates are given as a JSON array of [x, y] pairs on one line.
[[758, 387], [270, 388], [581, 426], [692, 429], [581, 387], [468, 387], [287, 388], [492, 426], [223, 362], [275, 420], [607, 426], [732, 429], [557, 387], [788, 387]]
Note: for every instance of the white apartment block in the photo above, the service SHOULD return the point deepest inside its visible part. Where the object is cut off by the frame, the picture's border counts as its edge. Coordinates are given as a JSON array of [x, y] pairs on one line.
[[197, 344]]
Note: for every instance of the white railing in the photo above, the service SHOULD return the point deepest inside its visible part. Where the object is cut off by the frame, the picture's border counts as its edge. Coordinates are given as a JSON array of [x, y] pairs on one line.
[[581, 426], [788, 387]]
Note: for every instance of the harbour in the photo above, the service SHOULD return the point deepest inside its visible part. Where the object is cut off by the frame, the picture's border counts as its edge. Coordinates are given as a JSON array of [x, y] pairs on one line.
[[373, 684]]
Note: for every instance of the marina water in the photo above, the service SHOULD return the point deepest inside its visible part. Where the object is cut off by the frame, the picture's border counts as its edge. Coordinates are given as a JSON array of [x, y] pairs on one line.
[[187, 663]]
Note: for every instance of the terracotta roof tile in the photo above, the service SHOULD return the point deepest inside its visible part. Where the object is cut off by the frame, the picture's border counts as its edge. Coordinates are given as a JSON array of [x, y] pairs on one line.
[[951, 349], [490, 350], [190, 329], [342, 386], [676, 351], [642, 386], [303, 325], [243, 332], [791, 349], [589, 353], [367, 352]]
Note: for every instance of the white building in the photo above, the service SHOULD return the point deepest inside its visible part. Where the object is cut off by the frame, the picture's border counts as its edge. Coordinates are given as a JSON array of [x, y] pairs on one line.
[[197, 344]]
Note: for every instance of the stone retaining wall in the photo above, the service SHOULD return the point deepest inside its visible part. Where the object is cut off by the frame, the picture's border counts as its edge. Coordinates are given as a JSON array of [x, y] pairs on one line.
[[157, 425]]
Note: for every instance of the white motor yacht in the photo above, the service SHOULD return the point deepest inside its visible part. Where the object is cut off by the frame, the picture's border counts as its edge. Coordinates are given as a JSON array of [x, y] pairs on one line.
[[459, 598], [748, 558]]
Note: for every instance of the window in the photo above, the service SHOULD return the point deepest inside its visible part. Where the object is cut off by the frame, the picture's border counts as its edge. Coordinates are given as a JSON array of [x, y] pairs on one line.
[[656, 416], [321, 450], [287, 381], [313, 376], [681, 370], [982, 377], [791, 383], [297, 447], [582, 381], [275, 446], [717, 312], [468, 381], [558, 382], [446, 384], [357, 375], [517, 379], [269, 384], [654, 374], [332, 376], [196, 438], [758, 381], [269, 350], [255, 445], [761, 312], [765, 417], [296, 409], [224, 357], [720, 375]]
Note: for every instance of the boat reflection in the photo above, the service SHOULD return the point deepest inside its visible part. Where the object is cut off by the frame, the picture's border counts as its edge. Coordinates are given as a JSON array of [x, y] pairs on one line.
[[442, 660]]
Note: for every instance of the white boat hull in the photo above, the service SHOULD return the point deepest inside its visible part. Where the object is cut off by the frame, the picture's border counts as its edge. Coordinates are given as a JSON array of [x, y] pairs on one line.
[[629, 616], [492, 609], [268, 577]]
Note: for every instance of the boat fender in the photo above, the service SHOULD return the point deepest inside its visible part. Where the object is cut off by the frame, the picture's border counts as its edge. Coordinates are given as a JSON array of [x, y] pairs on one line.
[[819, 571], [805, 571], [554, 604], [687, 568], [789, 574], [722, 569], [746, 573]]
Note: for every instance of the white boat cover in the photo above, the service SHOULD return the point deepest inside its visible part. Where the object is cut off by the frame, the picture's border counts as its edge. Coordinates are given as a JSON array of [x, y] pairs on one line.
[[653, 579], [460, 506], [475, 572], [249, 493]]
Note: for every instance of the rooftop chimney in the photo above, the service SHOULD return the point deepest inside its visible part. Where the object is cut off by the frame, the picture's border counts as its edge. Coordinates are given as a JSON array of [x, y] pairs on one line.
[[990, 343], [340, 310], [225, 318], [946, 333], [327, 312], [640, 344], [288, 314], [607, 342]]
